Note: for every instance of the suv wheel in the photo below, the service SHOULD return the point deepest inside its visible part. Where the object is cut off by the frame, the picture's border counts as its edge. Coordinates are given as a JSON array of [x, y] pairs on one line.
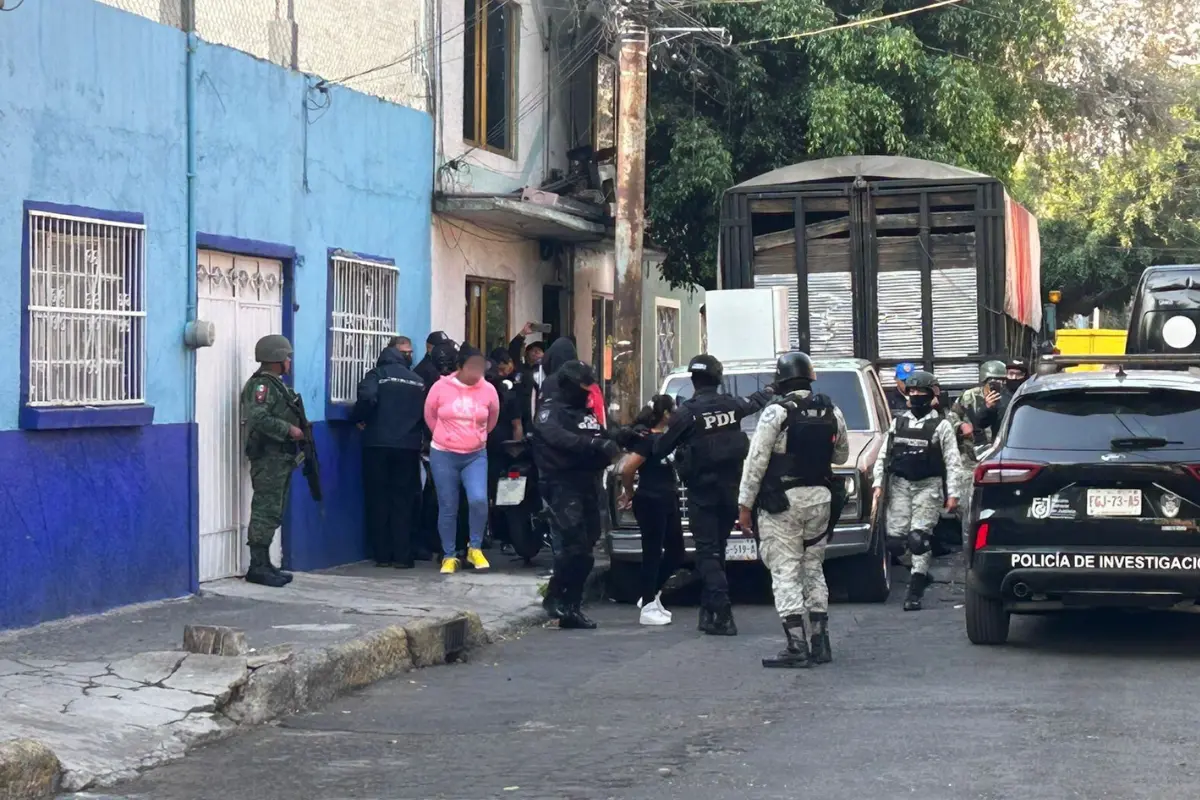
[[624, 581], [869, 576], [987, 621]]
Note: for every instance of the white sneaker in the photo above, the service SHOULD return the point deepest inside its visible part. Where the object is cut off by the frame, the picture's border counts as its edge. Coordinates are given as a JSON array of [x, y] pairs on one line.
[[661, 607], [654, 615]]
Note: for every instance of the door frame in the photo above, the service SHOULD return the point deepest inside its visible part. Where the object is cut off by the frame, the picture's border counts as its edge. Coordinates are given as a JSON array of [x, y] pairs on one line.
[[250, 248]]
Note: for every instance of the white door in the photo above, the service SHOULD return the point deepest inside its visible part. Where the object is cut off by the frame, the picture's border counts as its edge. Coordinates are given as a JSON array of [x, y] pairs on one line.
[[243, 298]]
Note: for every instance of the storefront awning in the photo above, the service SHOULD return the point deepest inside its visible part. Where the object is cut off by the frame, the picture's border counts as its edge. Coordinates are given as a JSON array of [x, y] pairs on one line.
[[523, 218]]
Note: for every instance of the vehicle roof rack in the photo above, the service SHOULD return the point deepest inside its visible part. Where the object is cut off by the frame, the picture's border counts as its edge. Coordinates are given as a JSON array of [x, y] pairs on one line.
[[1049, 365]]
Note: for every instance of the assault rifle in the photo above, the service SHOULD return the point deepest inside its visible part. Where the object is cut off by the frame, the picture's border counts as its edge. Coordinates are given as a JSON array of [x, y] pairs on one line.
[[308, 449], [879, 510]]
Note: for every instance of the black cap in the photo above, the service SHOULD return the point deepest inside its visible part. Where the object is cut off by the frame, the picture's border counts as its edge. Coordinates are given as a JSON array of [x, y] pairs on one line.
[[500, 356], [438, 337], [706, 365]]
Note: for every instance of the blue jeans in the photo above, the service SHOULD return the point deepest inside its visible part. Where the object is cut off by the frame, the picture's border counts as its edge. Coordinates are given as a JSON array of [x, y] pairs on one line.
[[450, 472]]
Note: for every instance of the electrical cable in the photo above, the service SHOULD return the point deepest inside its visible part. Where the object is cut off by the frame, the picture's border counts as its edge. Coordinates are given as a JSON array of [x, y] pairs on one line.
[[853, 24]]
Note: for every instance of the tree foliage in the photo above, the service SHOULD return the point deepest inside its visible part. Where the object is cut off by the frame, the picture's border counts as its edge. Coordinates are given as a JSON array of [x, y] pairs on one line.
[[1117, 185], [959, 84]]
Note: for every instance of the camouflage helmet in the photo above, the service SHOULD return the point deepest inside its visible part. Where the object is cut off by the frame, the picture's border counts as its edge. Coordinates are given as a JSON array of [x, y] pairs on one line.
[[272, 349], [992, 370], [920, 380]]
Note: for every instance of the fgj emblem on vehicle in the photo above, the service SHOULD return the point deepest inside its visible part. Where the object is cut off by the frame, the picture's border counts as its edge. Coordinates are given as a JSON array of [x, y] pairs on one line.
[[1040, 508], [1052, 507]]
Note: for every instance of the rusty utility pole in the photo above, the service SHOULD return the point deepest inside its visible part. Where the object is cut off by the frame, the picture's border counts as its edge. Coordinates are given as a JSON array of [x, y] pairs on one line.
[[631, 208]]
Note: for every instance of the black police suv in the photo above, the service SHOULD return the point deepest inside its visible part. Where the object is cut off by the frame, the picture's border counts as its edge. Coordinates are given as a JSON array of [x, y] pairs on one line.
[[1166, 311], [1090, 496]]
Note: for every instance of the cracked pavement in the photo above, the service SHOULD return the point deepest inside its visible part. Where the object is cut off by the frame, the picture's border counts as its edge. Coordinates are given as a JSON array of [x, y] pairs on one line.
[[113, 695]]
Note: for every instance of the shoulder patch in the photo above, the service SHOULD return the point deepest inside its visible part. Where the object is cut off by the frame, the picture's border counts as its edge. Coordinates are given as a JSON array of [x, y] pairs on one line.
[[543, 415], [260, 393]]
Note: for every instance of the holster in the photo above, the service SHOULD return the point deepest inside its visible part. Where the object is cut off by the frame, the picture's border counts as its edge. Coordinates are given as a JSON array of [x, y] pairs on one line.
[[773, 499]]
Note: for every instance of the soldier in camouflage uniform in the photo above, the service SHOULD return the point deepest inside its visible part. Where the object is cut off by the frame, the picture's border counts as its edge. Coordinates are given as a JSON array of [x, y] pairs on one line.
[[922, 452], [787, 475], [271, 423], [975, 416]]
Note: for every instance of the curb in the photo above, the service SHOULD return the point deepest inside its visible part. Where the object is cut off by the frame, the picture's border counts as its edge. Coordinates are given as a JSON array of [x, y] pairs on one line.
[[285, 683]]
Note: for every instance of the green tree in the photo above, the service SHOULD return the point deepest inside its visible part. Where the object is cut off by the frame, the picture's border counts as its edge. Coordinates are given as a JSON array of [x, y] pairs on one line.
[[959, 84]]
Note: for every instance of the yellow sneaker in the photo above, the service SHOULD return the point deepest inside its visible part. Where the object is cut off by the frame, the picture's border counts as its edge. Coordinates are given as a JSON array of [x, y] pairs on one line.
[[477, 560], [449, 566]]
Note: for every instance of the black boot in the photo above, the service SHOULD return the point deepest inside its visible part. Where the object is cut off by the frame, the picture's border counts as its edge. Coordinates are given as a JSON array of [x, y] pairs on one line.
[[261, 571], [795, 656], [553, 601], [722, 623], [573, 618], [917, 582], [706, 620], [287, 576], [818, 640]]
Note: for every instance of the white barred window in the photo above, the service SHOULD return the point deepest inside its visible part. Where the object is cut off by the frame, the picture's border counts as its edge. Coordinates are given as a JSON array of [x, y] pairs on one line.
[[86, 311], [362, 320]]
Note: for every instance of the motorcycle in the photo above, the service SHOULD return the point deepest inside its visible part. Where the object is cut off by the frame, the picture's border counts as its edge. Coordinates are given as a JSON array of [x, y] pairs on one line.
[[519, 501]]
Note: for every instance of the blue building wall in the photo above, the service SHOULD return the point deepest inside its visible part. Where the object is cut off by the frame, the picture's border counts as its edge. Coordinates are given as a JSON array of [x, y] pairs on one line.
[[93, 113]]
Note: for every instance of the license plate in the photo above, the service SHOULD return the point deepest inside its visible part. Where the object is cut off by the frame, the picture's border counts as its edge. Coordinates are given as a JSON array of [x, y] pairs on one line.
[[741, 550], [1114, 502], [510, 491]]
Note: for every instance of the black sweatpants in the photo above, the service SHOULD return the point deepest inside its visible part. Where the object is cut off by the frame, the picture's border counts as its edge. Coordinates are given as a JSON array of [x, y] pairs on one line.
[[575, 521], [392, 485], [710, 523], [661, 525]]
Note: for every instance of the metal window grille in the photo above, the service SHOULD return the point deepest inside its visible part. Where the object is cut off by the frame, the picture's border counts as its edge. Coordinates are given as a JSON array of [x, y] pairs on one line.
[[363, 321], [668, 340], [86, 312]]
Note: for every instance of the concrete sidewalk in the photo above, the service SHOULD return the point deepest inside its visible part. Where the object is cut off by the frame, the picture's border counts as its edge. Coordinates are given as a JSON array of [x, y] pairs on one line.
[[113, 694]]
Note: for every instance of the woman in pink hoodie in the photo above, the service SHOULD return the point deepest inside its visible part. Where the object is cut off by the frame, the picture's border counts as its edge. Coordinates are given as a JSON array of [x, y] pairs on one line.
[[461, 409]]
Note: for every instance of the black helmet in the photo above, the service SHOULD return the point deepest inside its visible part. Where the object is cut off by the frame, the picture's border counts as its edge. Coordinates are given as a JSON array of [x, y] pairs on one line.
[[920, 380], [707, 366], [794, 366]]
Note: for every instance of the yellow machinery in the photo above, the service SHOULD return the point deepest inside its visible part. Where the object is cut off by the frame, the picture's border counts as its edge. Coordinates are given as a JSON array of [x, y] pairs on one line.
[[1089, 341]]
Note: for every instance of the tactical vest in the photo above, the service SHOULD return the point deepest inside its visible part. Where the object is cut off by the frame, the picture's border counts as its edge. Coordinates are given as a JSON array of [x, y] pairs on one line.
[[717, 442], [811, 433], [916, 454]]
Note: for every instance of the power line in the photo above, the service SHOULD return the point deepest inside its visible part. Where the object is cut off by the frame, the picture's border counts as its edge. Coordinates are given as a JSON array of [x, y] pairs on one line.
[[853, 24]]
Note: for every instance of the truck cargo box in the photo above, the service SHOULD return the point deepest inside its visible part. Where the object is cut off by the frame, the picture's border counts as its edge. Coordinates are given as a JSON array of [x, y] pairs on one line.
[[900, 260]]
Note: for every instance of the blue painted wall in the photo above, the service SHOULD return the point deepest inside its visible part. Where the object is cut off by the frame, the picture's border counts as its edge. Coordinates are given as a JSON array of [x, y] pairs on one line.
[[92, 113]]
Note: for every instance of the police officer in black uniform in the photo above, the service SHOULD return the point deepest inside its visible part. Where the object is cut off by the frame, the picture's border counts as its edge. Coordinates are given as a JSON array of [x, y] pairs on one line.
[[571, 450], [707, 431]]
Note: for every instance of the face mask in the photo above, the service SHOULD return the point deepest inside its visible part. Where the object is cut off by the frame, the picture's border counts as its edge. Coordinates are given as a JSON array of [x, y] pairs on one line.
[[406, 358], [575, 395], [920, 403], [1013, 384]]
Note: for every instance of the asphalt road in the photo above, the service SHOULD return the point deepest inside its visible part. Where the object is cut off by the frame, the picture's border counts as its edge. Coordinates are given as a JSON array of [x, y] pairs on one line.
[[1095, 706]]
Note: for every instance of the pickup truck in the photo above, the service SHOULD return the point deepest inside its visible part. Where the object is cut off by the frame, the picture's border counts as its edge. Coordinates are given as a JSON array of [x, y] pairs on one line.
[[860, 556]]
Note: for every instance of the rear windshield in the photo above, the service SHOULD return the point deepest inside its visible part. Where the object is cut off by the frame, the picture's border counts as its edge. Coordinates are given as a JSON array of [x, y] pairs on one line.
[[1092, 420], [842, 386]]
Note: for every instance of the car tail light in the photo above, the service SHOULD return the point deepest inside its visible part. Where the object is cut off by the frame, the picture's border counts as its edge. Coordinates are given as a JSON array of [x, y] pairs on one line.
[[1193, 469], [514, 474], [981, 534], [991, 472]]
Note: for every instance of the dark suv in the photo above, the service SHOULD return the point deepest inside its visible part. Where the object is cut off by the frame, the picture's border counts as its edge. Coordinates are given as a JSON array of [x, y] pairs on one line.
[[1090, 496]]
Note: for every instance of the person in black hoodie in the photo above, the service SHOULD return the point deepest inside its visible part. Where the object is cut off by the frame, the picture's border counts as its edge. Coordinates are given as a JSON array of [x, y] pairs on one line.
[[427, 369], [561, 352], [571, 450], [390, 411], [509, 427]]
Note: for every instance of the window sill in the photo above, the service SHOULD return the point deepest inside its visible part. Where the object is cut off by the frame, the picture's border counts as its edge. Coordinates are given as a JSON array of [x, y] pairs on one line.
[[339, 412], [37, 418]]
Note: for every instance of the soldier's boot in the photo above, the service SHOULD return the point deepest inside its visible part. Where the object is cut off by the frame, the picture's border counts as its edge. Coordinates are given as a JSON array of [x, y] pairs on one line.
[[818, 639], [796, 655], [287, 576], [917, 583], [261, 572], [722, 623], [573, 618], [706, 620]]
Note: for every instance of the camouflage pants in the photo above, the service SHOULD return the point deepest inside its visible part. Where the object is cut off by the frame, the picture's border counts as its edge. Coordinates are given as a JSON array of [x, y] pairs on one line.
[[270, 477], [966, 484], [914, 506], [797, 572]]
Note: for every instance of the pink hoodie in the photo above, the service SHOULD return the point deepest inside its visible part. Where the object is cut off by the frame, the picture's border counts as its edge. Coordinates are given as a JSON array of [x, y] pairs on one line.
[[461, 416]]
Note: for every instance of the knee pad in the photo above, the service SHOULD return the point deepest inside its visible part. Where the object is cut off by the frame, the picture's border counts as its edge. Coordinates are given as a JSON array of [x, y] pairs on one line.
[[919, 543]]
